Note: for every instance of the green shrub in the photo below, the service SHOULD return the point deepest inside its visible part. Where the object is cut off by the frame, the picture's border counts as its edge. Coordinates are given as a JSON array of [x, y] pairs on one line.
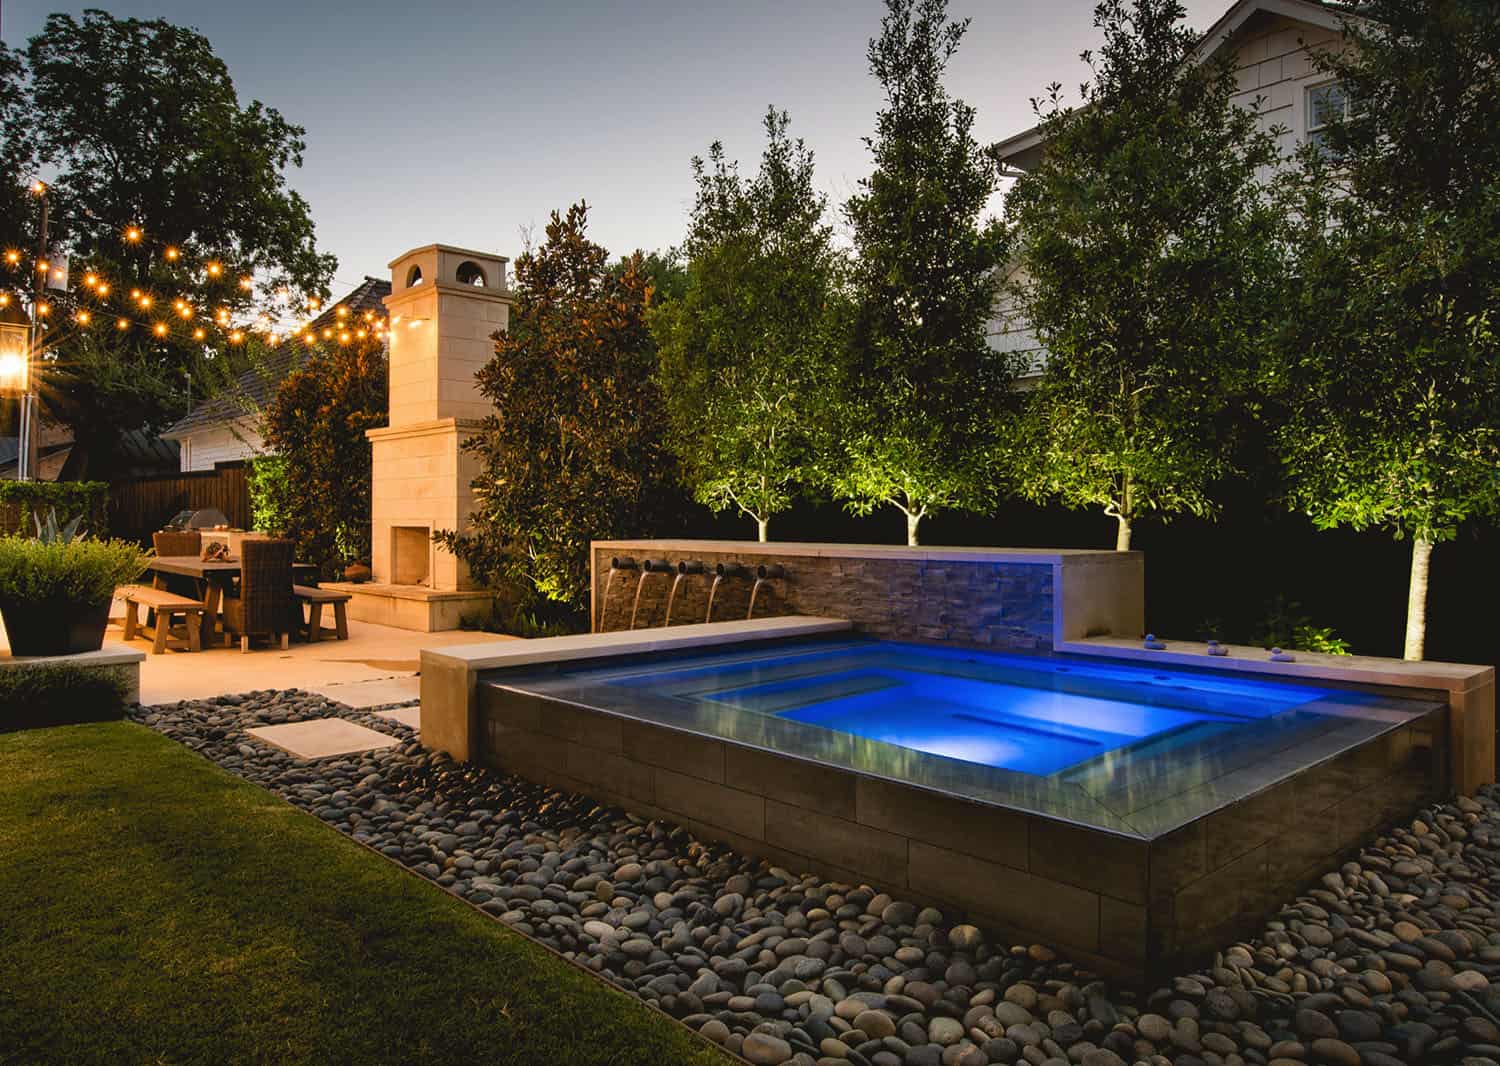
[[82, 572], [19, 500], [542, 618], [37, 696], [270, 495], [1285, 626]]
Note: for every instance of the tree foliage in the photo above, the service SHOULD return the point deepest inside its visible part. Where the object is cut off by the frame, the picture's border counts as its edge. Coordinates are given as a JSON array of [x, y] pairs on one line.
[[747, 351], [576, 447], [922, 387], [1390, 379], [1149, 251], [140, 124], [316, 426]]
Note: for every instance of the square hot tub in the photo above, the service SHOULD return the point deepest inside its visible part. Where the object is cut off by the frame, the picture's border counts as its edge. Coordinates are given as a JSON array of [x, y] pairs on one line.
[[1135, 816]]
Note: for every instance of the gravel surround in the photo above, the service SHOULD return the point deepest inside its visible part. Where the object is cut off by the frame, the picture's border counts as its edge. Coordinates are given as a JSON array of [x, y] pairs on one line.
[[1388, 960]]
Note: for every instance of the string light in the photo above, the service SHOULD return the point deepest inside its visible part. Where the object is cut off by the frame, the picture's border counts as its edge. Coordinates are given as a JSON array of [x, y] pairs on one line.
[[133, 234], [4, 299], [247, 283], [122, 323], [38, 187], [198, 334], [172, 253], [160, 329], [43, 309], [214, 270], [236, 336], [42, 265], [12, 257], [102, 289], [82, 318]]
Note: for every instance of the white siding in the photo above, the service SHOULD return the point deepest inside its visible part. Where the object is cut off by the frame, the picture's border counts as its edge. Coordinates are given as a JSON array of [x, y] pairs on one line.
[[1275, 71], [221, 443]]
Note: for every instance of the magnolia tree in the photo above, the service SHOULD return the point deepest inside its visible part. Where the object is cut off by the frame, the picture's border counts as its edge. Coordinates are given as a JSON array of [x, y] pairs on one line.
[[576, 447], [1149, 253], [1390, 377], [921, 389], [747, 350]]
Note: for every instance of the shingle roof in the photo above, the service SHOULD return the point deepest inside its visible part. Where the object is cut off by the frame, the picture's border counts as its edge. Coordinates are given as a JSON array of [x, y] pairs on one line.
[[256, 386]]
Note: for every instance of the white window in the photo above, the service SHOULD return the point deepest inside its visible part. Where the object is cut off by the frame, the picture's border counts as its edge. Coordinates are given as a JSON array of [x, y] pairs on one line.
[[1326, 104]]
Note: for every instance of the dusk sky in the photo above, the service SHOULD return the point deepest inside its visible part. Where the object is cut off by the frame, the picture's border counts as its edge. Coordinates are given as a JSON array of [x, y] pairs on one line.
[[467, 122]]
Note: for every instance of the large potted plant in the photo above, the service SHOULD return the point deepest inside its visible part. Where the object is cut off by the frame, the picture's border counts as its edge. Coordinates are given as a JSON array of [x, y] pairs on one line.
[[56, 587]]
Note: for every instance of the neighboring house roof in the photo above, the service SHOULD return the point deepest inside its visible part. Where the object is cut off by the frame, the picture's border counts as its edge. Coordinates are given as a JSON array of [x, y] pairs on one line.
[[1024, 149], [255, 387]]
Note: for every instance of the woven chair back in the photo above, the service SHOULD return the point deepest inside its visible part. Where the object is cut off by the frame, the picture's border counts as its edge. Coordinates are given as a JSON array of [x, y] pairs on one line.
[[177, 542], [266, 584]]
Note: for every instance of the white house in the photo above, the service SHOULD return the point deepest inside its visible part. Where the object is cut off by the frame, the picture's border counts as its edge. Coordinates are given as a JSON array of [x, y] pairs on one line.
[[1271, 41], [222, 429]]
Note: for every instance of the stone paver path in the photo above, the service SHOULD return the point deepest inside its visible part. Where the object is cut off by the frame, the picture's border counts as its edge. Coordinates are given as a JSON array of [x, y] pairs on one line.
[[319, 738]]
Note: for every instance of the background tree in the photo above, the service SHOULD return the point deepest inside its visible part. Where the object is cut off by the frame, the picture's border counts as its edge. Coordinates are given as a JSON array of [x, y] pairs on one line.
[[17, 155], [1148, 256], [1391, 375], [922, 386], [575, 449], [746, 351], [141, 128], [315, 425]]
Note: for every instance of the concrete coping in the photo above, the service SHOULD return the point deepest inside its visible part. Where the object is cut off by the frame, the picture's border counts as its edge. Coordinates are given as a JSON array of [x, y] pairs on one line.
[[793, 549], [109, 655], [504, 654], [1308, 666]]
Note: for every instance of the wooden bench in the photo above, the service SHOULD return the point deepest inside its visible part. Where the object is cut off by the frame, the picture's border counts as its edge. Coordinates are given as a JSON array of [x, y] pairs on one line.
[[162, 606], [315, 598]]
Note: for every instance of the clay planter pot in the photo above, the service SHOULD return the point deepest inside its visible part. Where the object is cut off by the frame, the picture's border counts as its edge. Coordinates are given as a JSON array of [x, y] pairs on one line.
[[357, 572], [53, 627]]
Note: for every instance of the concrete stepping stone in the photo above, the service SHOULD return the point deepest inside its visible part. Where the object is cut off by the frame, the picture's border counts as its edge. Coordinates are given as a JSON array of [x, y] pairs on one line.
[[407, 716], [377, 692], [318, 738]]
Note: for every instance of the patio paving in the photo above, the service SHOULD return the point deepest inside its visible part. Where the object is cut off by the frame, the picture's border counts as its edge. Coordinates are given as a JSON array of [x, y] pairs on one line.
[[319, 738], [376, 665]]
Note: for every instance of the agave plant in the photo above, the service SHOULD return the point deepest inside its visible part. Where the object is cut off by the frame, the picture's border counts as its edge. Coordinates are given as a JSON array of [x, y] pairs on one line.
[[51, 533]]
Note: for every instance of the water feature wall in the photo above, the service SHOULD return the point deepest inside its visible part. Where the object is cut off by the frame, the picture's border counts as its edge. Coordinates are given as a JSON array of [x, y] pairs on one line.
[[1023, 599]]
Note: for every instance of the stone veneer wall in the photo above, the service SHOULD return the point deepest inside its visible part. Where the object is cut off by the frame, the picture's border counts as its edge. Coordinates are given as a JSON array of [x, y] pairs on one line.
[[1126, 905], [962, 596]]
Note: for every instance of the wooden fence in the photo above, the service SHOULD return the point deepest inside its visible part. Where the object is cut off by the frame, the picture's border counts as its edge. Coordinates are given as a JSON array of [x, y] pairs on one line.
[[140, 506]]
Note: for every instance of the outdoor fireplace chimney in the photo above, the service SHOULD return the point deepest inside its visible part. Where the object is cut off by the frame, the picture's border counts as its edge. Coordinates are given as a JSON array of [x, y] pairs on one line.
[[445, 306]]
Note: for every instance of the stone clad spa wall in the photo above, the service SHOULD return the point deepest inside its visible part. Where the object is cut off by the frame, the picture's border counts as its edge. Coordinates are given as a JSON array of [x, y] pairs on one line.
[[1002, 598]]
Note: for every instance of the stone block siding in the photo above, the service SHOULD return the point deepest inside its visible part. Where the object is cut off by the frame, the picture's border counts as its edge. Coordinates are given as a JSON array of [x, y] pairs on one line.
[[986, 604], [1126, 905]]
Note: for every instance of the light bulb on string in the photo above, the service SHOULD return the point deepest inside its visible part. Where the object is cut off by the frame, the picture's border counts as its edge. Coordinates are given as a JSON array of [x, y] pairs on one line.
[[133, 234], [12, 257], [82, 318], [122, 323], [198, 334], [214, 270], [172, 253], [160, 329]]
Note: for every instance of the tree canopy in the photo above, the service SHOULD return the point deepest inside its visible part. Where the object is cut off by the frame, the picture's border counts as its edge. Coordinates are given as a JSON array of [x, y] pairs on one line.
[[1390, 376], [747, 351], [1149, 254], [576, 447], [922, 387], [162, 182]]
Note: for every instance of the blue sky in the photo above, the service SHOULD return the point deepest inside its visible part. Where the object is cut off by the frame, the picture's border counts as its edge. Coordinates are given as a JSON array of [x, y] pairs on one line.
[[467, 122]]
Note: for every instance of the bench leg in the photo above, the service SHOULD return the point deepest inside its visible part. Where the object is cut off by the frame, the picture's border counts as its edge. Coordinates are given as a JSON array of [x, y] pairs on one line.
[[244, 643], [341, 620], [314, 622], [194, 631], [286, 641], [129, 620], [163, 627]]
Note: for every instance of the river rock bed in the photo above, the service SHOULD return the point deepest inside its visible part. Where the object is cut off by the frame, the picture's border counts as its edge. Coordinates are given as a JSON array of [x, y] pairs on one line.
[[1387, 960]]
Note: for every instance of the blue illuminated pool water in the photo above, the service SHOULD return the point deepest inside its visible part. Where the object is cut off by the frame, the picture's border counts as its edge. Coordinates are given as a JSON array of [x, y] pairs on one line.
[[1030, 714]]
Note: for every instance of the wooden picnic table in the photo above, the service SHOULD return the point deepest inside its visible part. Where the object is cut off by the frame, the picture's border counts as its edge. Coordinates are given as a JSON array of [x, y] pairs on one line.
[[212, 577]]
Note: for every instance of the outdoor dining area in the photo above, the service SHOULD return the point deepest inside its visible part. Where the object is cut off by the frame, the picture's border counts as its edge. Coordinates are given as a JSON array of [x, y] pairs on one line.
[[200, 593]]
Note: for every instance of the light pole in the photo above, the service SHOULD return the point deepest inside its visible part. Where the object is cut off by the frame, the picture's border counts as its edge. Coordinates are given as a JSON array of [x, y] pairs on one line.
[[27, 452]]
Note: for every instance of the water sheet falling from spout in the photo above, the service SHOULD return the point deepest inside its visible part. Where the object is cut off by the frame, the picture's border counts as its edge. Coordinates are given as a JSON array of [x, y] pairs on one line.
[[649, 567], [616, 564], [721, 571], [684, 568], [763, 573]]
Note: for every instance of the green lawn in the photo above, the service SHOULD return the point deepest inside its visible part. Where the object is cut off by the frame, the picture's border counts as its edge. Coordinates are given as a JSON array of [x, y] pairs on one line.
[[155, 909]]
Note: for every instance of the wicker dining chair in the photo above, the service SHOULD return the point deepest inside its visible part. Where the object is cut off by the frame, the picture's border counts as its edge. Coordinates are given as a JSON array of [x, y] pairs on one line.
[[264, 604], [176, 542]]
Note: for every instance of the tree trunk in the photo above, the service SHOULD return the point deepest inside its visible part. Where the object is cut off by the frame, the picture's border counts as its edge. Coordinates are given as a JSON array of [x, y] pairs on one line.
[[1122, 535], [763, 524], [912, 518], [1416, 599]]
